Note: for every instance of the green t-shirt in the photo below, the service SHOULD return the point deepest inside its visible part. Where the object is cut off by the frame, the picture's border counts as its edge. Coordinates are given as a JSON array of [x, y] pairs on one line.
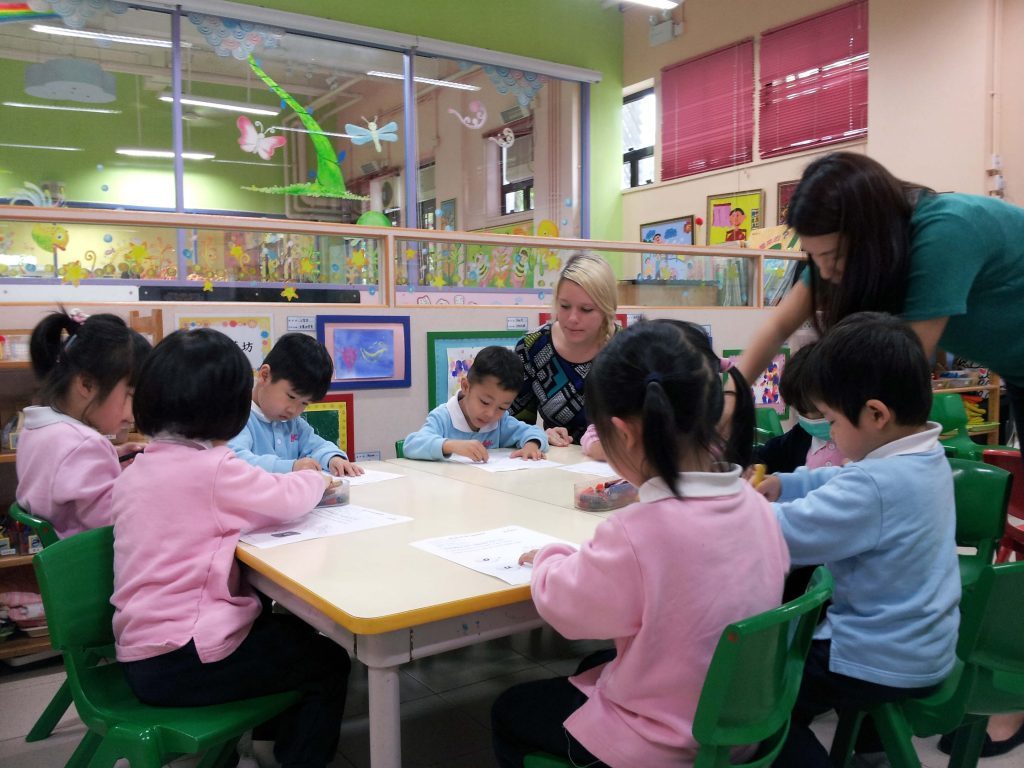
[[967, 264]]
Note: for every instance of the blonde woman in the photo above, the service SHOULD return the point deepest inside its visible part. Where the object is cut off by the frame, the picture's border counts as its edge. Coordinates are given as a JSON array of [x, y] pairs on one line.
[[557, 356]]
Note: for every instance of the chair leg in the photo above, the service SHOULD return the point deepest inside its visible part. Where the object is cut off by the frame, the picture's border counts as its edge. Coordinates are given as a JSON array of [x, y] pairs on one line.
[[845, 737], [52, 714], [86, 748], [896, 736], [218, 755], [968, 740]]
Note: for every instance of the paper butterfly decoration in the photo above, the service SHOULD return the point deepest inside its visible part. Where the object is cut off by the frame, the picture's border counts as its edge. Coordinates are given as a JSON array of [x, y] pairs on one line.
[[253, 139], [475, 120], [371, 132], [505, 139]]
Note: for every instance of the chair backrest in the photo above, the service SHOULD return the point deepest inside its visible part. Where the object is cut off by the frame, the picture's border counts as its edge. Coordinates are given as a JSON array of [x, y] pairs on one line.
[[400, 449], [991, 628], [40, 527], [1012, 462], [755, 673], [982, 493], [948, 409], [76, 580], [768, 420]]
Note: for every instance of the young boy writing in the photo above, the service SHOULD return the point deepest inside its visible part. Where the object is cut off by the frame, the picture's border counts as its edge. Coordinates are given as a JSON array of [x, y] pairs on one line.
[[883, 525], [296, 372], [477, 418]]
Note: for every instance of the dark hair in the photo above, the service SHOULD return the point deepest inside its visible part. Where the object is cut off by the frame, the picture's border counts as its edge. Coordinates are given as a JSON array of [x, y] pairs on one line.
[[102, 349], [501, 363], [870, 209], [197, 384], [793, 384], [872, 356], [737, 209], [303, 362], [662, 373]]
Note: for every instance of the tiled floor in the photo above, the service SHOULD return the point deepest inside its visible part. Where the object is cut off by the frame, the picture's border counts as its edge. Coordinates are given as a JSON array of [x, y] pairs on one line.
[[446, 704]]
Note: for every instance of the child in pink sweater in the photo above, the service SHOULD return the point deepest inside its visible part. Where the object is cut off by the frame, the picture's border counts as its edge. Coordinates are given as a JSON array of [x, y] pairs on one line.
[[662, 577], [66, 464], [188, 627]]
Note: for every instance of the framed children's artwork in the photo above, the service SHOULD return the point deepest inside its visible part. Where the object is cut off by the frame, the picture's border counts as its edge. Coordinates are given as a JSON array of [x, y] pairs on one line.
[[332, 419], [252, 333], [663, 266], [450, 355], [368, 352], [445, 215], [766, 386], [732, 216], [786, 190]]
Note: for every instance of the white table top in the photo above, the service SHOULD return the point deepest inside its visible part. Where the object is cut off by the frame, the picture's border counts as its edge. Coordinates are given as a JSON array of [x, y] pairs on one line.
[[372, 581], [550, 485]]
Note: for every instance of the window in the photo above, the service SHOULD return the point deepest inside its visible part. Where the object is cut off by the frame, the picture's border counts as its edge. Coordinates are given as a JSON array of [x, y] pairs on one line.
[[814, 81], [517, 171], [707, 117], [638, 129]]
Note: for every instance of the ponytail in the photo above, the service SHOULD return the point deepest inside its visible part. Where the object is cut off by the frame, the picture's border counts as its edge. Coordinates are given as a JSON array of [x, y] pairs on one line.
[[661, 442]]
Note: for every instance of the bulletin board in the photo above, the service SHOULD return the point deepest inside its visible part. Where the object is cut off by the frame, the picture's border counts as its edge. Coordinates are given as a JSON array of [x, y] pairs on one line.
[[332, 419]]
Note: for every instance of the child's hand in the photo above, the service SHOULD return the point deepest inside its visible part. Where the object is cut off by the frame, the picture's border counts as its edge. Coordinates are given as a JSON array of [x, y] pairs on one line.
[[529, 451], [126, 452], [595, 452], [471, 449], [341, 467], [558, 437], [770, 488], [527, 557], [306, 463]]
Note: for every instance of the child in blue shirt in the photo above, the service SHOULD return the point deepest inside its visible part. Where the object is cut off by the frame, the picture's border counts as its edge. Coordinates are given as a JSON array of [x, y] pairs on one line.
[[883, 525], [296, 372], [477, 418]]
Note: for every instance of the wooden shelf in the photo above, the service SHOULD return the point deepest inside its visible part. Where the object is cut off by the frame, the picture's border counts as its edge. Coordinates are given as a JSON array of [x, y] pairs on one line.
[[15, 561], [961, 390], [22, 646], [8, 457], [15, 365]]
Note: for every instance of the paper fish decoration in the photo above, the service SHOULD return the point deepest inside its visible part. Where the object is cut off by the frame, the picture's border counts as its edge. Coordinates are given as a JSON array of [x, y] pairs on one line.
[[475, 120], [50, 236], [505, 139], [252, 138], [371, 132]]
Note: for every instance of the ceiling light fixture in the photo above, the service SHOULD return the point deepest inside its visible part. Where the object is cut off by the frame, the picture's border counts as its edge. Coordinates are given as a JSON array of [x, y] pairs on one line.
[[163, 153], [427, 80], [661, 5], [108, 37], [62, 109], [228, 106], [42, 146]]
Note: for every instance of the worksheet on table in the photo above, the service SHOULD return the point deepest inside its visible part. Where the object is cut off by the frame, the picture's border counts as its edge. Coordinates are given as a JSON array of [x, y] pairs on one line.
[[321, 522]]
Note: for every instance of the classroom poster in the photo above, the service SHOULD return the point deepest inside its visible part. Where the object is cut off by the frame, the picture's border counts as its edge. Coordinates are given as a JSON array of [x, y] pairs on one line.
[[252, 333]]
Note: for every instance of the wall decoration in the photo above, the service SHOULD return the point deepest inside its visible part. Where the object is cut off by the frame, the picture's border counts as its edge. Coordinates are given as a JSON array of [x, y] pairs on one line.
[[31, 11], [332, 419], [450, 355], [369, 352], [445, 216], [78, 13], [372, 132], [663, 266], [252, 138], [523, 85], [474, 121], [732, 216], [786, 190], [766, 386], [231, 37], [504, 138], [252, 333]]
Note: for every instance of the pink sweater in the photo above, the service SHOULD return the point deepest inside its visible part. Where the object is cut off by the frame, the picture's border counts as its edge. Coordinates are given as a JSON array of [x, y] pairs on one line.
[[179, 510], [66, 471], [661, 578]]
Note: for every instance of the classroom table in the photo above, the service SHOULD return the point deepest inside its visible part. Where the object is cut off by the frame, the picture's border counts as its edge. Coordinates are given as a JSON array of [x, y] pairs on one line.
[[389, 603], [551, 484]]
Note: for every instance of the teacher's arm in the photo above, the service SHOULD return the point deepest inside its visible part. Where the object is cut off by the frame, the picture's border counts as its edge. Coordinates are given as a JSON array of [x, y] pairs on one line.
[[791, 313], [929, 332]]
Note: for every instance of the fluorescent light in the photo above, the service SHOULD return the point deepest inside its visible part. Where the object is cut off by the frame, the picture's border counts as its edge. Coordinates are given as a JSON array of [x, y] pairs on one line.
[[41, 146], [317, 133], [164, 153], [663, 5], [62, 109], [249, 162], [105, 36], [427, 80], [229, 106]]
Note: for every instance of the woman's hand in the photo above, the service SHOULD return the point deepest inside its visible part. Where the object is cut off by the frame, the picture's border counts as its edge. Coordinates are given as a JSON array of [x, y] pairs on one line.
[[558, 437]]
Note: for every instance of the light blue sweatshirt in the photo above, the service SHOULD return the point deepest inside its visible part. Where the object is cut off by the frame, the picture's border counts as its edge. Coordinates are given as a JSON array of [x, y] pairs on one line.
[[448, 422], [885, 527], [275, 446]]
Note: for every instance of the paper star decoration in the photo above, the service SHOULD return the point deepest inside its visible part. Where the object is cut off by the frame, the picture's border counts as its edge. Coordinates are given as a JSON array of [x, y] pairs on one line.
[[208, 285], [438, 281], [358, 258], [289, 293], [74, 274], [307, 266]]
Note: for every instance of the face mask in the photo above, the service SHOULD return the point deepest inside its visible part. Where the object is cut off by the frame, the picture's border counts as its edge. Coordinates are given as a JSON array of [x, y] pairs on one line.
[[818, 428]]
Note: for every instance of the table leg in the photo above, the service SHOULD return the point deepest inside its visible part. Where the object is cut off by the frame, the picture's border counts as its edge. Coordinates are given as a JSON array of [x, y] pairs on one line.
[[385, 718]]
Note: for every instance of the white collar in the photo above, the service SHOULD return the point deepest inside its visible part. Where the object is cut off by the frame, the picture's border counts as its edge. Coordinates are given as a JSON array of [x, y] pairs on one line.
[[695, 485], [817, 444], [459, 418], [43, 416], [919, 442], [259, 412]]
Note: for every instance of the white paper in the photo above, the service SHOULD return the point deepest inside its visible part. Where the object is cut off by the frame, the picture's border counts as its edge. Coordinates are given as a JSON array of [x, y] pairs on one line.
[[495, 552], [600, 468], [371, 476], [321, 522], [498, 461]]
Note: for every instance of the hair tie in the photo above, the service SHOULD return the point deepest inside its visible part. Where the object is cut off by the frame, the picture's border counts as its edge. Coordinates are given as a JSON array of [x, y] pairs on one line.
[[651, 378], [724, 364]]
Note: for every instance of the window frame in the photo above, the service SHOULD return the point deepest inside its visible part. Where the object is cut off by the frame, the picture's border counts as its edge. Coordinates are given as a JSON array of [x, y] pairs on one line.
[[633, 157]]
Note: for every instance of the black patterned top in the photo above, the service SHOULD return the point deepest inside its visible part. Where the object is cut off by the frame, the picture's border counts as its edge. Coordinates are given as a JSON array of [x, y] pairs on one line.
[[553, 386]]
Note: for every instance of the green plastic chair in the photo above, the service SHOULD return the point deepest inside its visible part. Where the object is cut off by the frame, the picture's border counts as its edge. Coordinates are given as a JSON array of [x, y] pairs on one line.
[[751, 684], [400, 449], [982, 494], [62, 699], [76, 578], [988, 679], [768, 420]]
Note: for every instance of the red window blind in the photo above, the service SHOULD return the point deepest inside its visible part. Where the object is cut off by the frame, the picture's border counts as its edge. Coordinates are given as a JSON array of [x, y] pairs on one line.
[[814, 81], [707, 113]]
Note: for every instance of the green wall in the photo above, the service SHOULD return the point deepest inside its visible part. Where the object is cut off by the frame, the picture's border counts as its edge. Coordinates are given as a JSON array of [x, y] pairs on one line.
[[576, 32]]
